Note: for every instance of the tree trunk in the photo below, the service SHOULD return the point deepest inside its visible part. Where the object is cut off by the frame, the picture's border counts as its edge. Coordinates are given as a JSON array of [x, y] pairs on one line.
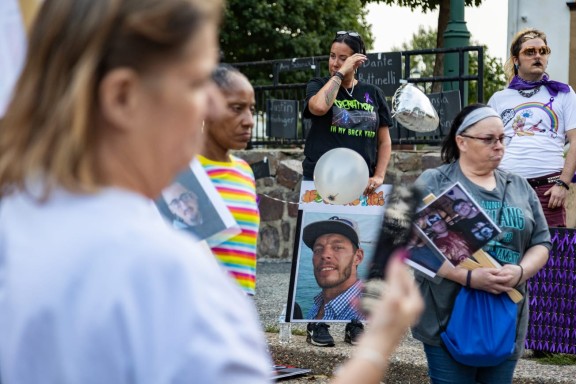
[[443, 18]]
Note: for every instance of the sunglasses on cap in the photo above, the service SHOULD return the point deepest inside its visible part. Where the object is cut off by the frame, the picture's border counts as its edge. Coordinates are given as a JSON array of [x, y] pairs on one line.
[[531, 35], [531, 51], [349, 33], [342, 220]]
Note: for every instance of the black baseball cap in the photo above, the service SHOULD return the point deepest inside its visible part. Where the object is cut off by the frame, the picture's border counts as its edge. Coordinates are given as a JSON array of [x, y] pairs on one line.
[[432, 218], [340, 225]]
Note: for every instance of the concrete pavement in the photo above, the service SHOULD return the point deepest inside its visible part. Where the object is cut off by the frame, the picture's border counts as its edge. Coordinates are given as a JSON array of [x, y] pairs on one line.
[[407, 365]]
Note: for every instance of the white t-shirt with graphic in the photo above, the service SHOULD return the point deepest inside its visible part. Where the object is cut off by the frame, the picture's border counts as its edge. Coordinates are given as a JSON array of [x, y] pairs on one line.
[[538, 125]]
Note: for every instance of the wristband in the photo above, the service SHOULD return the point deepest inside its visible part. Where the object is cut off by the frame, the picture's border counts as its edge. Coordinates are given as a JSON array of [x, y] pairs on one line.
[[468, 278], [521, 274], [339, 75], [562, 184], [372, 356]]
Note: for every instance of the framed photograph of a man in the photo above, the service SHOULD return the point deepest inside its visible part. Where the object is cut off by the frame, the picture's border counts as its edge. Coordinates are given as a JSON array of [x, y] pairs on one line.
[[192, 203], [332, 262], [332, 252]]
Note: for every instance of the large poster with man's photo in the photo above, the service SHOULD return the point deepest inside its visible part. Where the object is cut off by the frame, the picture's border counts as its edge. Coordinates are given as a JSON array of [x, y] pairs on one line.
[[332, 250]]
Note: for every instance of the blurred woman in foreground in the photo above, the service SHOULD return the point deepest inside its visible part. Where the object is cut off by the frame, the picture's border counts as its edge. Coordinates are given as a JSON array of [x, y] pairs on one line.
[[95, 286]]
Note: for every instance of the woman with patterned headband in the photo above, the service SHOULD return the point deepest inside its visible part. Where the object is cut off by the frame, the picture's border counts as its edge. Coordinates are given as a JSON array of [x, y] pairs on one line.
[[471, 153], [540, 114]]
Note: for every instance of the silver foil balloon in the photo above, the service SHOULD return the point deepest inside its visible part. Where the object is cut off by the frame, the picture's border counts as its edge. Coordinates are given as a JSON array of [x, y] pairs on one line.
[[413, 109]]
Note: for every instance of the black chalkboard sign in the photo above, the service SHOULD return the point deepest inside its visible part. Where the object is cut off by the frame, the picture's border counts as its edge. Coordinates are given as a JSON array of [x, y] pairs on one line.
[[447, 104], [296, 64], [384, 70], [261, 168], [282, 119]]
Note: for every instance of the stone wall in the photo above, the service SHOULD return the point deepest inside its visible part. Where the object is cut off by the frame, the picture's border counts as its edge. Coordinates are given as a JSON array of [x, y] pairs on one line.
[[279, 192]]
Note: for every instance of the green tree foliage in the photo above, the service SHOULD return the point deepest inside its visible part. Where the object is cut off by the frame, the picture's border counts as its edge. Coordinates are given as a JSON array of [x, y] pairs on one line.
[[257, 30], [424, 38], [424, 5], [443, 7], [494, 78]]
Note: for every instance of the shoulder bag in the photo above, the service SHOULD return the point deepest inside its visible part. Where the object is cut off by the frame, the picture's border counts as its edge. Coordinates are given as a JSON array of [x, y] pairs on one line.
[[481, 331]]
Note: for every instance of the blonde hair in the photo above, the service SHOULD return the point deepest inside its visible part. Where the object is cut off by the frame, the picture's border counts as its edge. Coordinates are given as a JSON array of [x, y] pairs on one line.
[[526, 34], [49, 128]]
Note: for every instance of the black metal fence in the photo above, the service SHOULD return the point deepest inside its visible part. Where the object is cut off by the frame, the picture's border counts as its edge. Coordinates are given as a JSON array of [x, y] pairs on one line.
[[280, 102]]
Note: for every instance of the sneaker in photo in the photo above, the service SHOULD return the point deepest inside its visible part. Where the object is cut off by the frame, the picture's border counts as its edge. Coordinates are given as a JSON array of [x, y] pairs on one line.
[[353, 331], [318, 334]]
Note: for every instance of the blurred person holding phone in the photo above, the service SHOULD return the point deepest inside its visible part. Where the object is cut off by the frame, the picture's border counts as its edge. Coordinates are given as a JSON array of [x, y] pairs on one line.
[[107, 111]]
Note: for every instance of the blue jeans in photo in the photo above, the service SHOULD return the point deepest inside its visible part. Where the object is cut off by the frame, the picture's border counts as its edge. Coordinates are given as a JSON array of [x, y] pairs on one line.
[[443, 369]]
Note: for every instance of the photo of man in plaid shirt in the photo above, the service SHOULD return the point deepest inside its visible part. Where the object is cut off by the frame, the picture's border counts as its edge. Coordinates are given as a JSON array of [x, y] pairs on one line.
[[336, 256]]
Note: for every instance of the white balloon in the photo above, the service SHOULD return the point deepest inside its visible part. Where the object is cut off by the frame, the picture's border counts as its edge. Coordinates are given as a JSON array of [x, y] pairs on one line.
[[413, 109], [340, 176]]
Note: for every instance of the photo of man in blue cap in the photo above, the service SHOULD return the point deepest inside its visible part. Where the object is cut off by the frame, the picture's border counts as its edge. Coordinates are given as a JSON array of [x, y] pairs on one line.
[[336, 254]]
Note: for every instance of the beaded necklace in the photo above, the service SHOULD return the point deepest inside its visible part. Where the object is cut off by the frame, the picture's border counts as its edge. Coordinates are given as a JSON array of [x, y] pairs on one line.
[[529, 93], [352, 91]]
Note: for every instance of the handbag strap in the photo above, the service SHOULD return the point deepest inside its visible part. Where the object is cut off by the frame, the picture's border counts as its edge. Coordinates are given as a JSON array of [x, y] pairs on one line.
[[431, 292]]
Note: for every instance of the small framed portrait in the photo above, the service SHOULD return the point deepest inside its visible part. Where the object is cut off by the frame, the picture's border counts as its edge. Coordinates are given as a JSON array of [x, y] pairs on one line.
[[423, 257], [191, 203], [454, 225]]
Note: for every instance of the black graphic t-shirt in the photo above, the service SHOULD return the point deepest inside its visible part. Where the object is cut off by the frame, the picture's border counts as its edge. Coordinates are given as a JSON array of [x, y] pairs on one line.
[[352, 122]]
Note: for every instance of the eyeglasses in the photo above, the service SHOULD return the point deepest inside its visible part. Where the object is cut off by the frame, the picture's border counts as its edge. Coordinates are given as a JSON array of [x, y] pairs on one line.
[[349, 33], [531, 51], [491, 140], [182, 199]]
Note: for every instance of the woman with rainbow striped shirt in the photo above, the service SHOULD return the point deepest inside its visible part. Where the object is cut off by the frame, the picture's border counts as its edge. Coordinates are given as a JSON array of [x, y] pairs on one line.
[[226, 129]]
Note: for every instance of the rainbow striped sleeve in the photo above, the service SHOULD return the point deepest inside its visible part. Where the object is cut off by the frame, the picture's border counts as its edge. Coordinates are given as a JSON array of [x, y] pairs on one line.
[[234, 181]]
